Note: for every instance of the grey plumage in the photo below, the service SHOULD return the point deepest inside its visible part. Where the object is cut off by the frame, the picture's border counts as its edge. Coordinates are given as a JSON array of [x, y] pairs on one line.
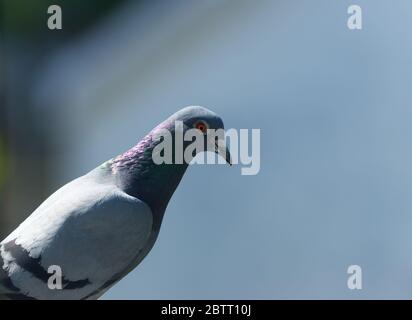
[[98, 227]]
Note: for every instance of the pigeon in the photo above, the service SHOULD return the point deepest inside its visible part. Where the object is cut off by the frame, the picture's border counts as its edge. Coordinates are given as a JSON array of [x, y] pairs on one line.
[[100, 226]]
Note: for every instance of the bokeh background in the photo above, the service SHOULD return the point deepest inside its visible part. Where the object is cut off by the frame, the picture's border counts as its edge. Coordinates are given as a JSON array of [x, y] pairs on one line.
[[334, 107]]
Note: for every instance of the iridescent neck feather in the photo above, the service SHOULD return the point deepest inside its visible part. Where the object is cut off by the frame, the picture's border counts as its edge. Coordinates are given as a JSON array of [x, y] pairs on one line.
[[140, 177]]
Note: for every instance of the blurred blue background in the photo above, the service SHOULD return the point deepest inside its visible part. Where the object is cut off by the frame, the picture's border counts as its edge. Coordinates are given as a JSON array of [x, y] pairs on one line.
[[334, 107]]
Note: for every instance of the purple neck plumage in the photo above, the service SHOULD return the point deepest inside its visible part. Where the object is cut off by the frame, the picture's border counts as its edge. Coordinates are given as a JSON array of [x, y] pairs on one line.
[[140, 177]]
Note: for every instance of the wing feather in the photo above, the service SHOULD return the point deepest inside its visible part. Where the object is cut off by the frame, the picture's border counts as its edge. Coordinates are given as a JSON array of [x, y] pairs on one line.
[[92, 231]]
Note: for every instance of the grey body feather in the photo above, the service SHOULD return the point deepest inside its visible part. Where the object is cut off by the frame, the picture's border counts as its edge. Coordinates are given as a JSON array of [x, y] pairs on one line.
[[90, 228], [98, 227]]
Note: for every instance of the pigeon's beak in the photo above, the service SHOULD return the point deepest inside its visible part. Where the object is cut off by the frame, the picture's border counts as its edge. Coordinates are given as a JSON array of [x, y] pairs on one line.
[[223, 151]]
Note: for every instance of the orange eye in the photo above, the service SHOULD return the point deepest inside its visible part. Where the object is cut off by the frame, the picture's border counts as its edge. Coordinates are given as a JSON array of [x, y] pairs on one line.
[[201, 126]]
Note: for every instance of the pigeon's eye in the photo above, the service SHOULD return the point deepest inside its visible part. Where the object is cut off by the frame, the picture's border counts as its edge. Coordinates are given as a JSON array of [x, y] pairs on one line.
[[201, 126]]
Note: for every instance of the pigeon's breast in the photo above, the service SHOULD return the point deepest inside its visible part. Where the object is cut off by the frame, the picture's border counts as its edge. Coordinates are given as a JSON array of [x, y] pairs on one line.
[[94, 233]]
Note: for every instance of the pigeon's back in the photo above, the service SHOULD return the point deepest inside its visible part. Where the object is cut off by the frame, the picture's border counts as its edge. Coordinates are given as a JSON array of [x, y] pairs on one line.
[[88, 234]]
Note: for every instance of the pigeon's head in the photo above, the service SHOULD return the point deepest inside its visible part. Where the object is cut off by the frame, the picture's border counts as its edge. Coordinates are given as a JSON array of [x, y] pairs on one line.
[[200, 123], [152, 169]]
